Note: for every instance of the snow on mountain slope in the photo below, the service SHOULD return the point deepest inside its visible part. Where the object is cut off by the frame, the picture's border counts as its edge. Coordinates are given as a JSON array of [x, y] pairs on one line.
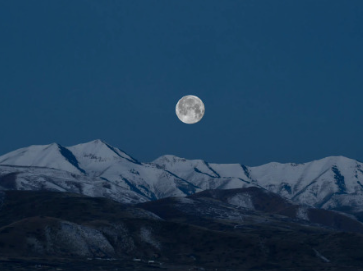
[[329, 183], [50, 156], [39, 178], [100, 163], [101, 160], [95, 154], [203, 174], [180, 165], [315, 183]]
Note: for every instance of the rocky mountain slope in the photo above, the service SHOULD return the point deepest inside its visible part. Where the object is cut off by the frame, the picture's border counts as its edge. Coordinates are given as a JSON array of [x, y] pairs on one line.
[[201, 231], [249, 207]]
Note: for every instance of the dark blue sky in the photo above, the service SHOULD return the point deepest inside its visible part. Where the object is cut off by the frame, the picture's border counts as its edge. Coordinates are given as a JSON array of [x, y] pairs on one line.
[[281, 80]]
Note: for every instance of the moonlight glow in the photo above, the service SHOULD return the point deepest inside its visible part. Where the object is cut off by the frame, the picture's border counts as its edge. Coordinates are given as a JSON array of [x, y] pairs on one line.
[[190, 109]]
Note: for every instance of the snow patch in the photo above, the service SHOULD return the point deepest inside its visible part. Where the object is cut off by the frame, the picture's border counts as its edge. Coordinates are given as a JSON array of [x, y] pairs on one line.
[[302, 213], [241, 200], [318, 254]]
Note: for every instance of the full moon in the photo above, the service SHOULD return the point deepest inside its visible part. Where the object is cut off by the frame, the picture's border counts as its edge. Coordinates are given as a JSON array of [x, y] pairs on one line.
[[190, 109]]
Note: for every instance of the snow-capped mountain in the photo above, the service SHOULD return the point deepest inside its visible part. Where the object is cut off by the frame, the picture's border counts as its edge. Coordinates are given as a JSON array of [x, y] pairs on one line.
[[328, 183], [98, 169], [94, 169]]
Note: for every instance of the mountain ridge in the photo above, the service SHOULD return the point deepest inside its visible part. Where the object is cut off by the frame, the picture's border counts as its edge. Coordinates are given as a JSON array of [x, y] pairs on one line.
[[333, 182]]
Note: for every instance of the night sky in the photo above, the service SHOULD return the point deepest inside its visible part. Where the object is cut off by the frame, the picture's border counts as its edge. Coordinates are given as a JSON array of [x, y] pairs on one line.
[[281, 80]]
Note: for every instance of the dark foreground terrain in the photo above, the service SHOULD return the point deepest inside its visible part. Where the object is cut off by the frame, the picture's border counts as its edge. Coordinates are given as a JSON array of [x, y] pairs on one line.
[[239, 229], [23, 264]]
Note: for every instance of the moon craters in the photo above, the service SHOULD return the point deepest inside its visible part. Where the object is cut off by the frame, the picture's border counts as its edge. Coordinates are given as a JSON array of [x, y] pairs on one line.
[[190, 109]]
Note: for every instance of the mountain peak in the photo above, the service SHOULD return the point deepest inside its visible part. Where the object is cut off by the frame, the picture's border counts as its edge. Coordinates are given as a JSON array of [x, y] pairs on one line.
[[96, 142], [336, 159], [99, 150]]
